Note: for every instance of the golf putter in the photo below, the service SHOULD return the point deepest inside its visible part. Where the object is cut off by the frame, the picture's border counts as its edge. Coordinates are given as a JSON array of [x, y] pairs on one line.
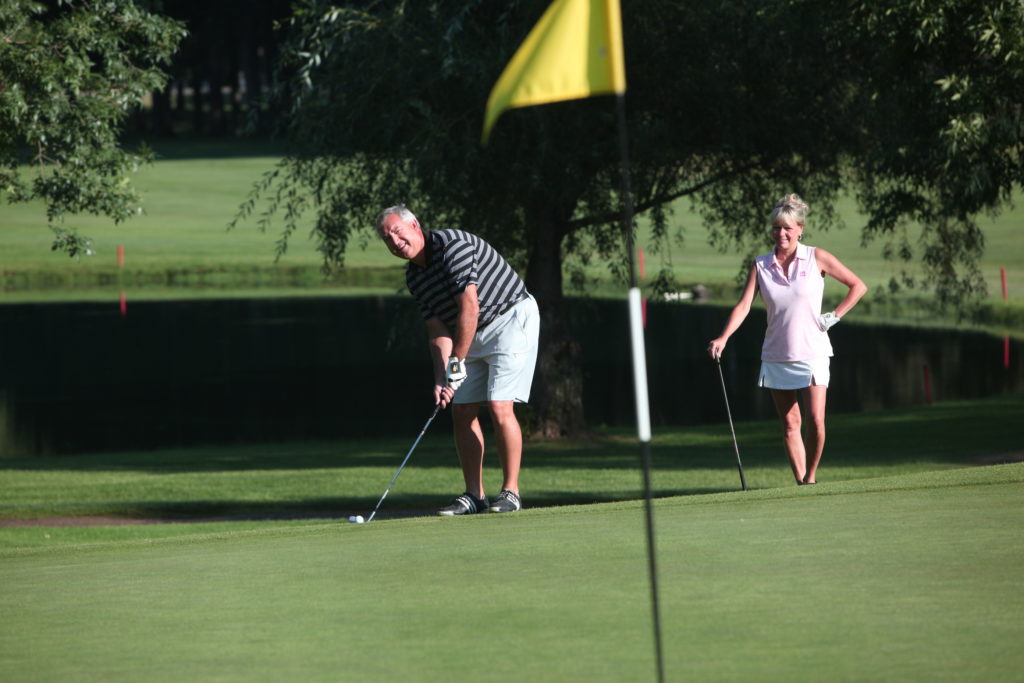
[[735, 445], [423, 431]]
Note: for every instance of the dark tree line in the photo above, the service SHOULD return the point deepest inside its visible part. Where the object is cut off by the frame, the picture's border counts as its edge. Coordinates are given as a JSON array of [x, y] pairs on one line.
[[218, 78]]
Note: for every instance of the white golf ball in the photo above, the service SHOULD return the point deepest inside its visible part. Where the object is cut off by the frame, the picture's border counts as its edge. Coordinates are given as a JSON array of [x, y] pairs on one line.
[[356, 519]]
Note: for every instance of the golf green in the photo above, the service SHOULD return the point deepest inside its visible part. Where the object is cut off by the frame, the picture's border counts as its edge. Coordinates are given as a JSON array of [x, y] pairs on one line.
[[909, 577]]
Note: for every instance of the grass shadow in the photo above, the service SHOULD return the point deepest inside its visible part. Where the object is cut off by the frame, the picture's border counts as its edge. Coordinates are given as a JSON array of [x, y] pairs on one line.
[[336, 479], [955, 432]]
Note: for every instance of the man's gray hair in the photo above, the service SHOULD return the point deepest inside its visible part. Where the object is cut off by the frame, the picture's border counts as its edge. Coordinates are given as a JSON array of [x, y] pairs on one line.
[[399, 210]]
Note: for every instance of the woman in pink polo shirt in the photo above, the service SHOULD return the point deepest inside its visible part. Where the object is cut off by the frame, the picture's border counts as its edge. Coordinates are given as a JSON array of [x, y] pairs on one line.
[[796, 351]]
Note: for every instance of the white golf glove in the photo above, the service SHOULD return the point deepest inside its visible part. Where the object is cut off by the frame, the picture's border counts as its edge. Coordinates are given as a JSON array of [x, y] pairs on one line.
[[455, 373], [827, 320]]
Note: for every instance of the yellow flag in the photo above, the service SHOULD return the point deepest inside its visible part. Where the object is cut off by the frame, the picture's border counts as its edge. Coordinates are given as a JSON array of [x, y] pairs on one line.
[[574, 51]]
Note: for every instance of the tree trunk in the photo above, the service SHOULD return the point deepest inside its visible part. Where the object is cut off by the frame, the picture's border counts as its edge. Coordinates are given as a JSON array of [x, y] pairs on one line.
[[160, 124], [198, 117], [557, 395]]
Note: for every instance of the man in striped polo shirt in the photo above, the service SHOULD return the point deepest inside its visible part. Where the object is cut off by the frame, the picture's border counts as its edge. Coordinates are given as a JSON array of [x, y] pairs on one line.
[[482, 329]]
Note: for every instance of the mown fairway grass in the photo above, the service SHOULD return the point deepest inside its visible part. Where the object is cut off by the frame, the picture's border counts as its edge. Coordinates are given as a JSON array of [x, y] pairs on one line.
[[902, 565], [182, 249]]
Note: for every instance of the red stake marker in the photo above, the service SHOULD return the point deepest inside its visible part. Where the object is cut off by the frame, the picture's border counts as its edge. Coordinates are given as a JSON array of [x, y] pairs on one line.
[[120, 256]]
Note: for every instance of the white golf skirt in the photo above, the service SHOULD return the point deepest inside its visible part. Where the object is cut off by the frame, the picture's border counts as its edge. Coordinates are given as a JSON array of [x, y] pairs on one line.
[[796, 375]]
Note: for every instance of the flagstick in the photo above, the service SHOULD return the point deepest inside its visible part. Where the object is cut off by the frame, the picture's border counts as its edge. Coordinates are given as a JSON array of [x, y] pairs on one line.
[[643, 415]]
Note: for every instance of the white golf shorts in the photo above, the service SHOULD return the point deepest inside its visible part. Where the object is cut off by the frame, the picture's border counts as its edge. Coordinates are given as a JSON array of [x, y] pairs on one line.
[[501, 360], [796, 375]]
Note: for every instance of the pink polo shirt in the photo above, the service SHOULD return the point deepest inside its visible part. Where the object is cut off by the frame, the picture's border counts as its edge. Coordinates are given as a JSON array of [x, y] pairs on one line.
[[793, 301]]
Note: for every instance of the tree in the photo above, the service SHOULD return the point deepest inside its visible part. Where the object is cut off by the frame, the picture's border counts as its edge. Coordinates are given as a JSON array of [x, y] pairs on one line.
[[914, 106], [70, 72], [940, 122]]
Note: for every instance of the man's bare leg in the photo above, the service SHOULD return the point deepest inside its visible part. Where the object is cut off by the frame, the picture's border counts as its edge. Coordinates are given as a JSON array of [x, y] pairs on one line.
[[469, 443], [509, 438]]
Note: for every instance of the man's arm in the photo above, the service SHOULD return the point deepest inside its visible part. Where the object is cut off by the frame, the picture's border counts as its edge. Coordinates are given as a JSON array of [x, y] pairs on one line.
[[439, 339], [469, 313], [445, 345]]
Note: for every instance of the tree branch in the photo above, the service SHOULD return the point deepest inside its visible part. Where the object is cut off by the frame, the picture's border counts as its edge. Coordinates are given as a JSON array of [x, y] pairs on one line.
[[656, 199]]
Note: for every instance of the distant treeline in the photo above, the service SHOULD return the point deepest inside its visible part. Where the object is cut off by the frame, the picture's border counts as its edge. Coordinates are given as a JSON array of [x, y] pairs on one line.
[[221, 73]]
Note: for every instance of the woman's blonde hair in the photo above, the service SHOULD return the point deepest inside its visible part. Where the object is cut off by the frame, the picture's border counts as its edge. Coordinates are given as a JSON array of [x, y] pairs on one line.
[[790, 206]]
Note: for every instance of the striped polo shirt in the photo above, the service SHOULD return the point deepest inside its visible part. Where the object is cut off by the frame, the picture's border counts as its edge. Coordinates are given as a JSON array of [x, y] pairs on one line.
[[455, 260]]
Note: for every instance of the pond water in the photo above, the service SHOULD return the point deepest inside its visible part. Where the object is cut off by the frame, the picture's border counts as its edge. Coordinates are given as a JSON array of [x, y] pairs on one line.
[[81, 377]]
